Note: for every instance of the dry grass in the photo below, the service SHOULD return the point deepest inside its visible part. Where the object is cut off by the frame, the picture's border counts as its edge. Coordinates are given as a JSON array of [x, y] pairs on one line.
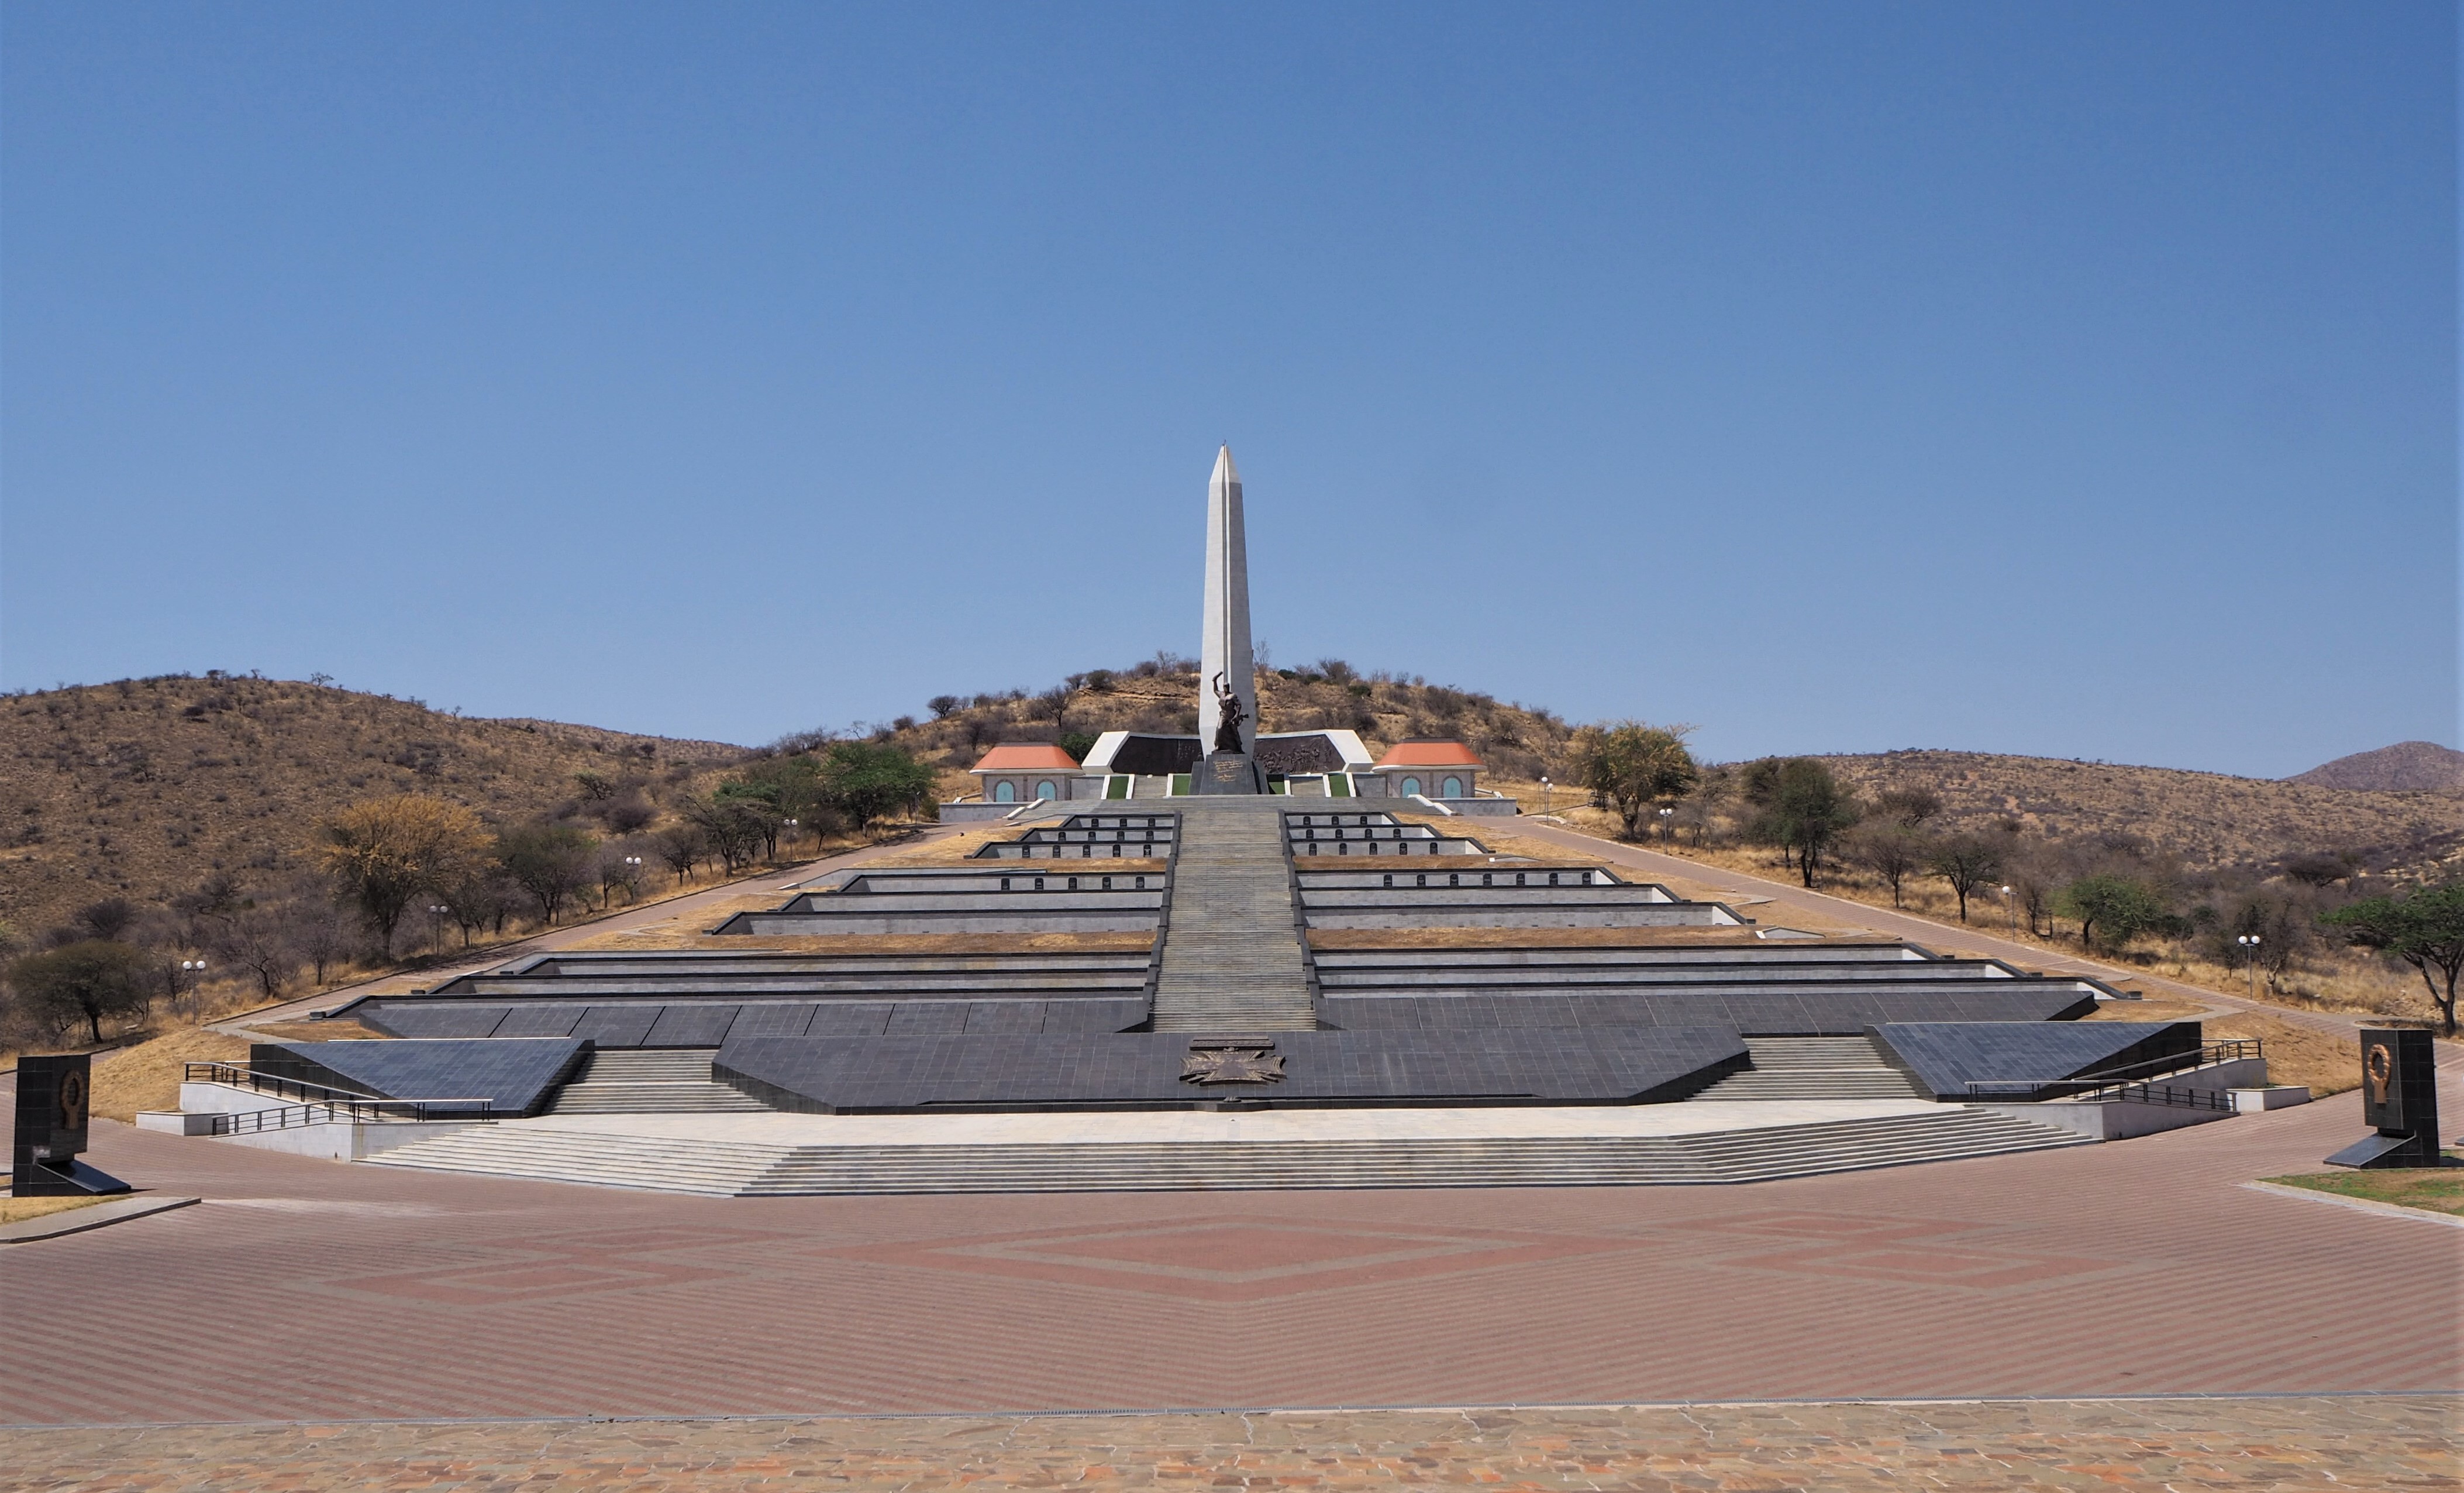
[[119, 790], [2439, 1190], [2147, 1011], [2326, 1063], [148, 1075], [2206, 818], [2329, 979], [345, 1030], [17, 1210]]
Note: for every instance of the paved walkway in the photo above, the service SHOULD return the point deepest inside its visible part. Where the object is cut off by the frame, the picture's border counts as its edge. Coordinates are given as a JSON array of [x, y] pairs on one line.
[[310, 1290], [2373, 1442]]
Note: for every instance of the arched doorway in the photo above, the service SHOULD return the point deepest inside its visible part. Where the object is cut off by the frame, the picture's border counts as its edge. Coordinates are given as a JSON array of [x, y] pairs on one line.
[[1045, 790], [1451, 788], [1004, 793], [1411, 785]]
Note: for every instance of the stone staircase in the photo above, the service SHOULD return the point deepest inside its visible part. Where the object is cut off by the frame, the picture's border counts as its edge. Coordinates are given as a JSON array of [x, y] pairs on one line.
[[1232, 957], [541, 1149], [649, 1081], [1815, 1067]]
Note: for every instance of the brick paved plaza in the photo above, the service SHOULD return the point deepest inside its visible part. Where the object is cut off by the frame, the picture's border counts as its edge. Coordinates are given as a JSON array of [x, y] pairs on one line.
[[309, 1291]]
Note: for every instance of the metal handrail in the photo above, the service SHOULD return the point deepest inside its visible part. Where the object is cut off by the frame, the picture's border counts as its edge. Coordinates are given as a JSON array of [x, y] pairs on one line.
[[2100, 1085], [286, 1117], [335, 1103]]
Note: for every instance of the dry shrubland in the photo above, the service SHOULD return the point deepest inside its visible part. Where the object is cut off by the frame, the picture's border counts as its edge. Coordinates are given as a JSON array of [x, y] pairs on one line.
[[143, 789], [1160, 697]]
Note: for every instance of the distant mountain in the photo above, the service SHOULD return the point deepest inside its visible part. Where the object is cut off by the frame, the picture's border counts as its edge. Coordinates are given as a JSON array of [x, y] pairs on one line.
[[2207, 819], [2406, 767]]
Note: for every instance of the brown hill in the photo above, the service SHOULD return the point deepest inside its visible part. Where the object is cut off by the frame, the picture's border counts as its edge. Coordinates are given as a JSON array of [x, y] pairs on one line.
[[144, 788], [2207, 819], [1516, 740], [2404, 767]]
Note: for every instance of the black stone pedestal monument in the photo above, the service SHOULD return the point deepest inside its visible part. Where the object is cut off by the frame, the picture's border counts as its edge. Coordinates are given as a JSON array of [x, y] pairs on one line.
[[2400, 1096], [52, 1095], [1227, 773]]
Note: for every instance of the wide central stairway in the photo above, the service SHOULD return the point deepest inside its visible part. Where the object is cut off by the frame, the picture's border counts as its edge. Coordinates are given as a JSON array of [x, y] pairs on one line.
[[1232, 958]]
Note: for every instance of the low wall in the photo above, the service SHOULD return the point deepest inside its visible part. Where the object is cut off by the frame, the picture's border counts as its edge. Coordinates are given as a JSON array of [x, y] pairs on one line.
[[225, 1099], [2113, 1120], [336, 1139]]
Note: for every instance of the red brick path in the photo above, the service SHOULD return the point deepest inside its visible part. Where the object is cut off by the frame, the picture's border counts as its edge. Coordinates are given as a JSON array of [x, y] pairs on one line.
[[319, 1291]]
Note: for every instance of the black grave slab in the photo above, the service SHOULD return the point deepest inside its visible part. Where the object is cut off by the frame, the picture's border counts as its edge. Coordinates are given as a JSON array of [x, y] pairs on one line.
[[618, 1026], [1757, 1013], [1004, 1016], [1093, 1015], [1944, 1058], [696, 1025], [1157, 756], [954, 1072], [515, 1075], [914, 1016], [434, 1018], [534, 1018], [773, 1018], [850, 1018]]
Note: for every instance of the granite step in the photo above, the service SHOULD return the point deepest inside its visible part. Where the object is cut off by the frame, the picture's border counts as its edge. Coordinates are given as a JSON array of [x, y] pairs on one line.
[[745, 1168], [649, 1080], [1814, 1067]]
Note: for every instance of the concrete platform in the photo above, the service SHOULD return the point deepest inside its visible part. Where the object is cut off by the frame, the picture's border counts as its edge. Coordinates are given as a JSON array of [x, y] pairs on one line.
[[1201, 1127]]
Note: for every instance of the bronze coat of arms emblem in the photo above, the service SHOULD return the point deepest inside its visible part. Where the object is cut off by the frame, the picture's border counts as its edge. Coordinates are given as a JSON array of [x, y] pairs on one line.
[[1221, 1061]]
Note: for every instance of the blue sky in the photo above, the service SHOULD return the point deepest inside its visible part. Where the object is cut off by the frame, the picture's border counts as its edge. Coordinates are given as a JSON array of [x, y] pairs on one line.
[[2076, 380]]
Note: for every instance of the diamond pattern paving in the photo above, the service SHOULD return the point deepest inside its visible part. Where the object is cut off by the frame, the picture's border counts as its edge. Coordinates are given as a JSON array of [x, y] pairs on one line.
[[2132, 1269]]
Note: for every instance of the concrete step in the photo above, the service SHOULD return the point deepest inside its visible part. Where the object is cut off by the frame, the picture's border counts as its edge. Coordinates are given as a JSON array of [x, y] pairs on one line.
[[649, 1080], [1814, 1067], [746, 1169]]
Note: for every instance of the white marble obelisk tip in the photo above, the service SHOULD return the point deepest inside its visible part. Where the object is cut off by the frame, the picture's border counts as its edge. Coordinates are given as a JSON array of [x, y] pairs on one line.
[[1224, 647]]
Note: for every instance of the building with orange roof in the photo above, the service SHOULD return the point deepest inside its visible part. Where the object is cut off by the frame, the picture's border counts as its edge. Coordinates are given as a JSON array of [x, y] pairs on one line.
[[1017, 772], [1431, 767]]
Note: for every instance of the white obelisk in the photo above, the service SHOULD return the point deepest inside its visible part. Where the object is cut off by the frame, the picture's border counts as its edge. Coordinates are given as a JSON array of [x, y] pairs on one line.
[[1224, 648]]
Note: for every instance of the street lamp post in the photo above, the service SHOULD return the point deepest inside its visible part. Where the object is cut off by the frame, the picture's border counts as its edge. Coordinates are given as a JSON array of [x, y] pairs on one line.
[[1665, 815], [789, 826], [437, 937], [2249, 943], [2011, 915], [1544, 792], [191, 970], [633, 877]]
